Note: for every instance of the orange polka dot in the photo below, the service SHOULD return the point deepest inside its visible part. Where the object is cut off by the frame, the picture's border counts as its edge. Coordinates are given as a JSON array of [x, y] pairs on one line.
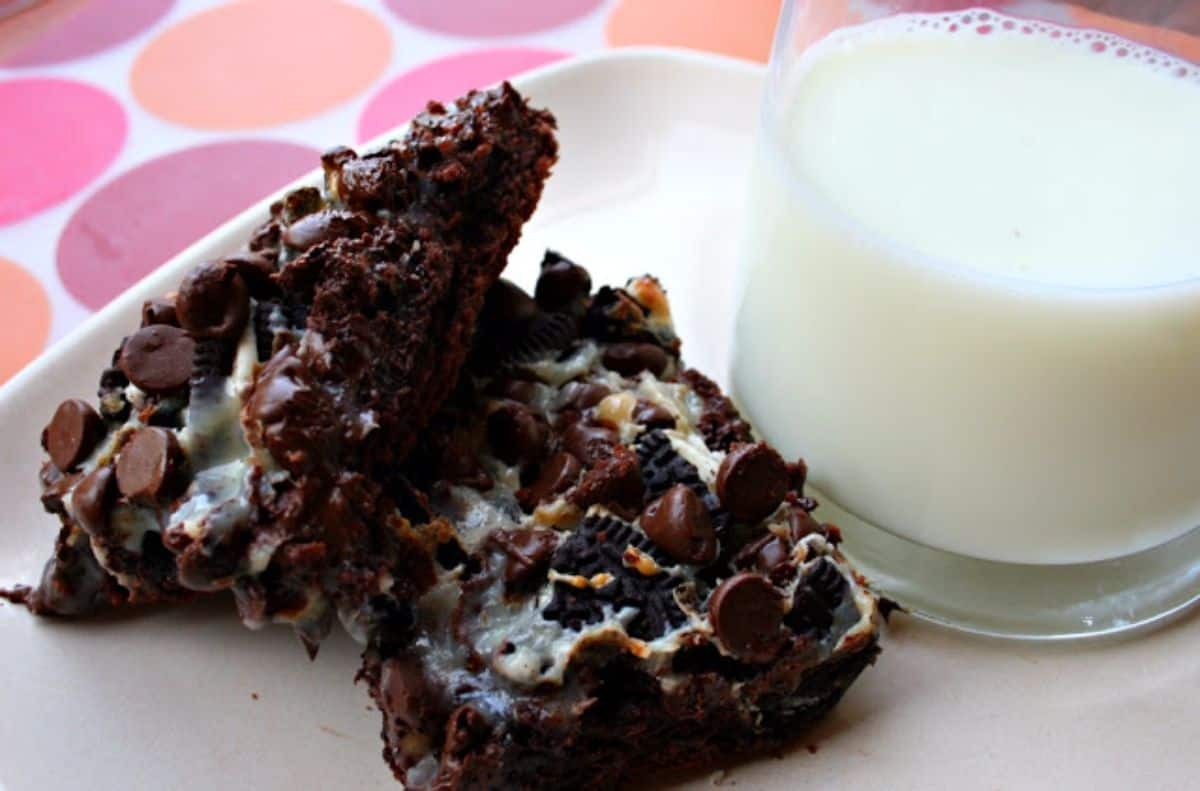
[[1170, 41], [260, 62], [741, 28], [26, 312]]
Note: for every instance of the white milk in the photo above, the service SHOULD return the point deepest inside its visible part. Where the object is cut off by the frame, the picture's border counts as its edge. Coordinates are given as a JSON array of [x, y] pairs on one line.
[[968, 302]]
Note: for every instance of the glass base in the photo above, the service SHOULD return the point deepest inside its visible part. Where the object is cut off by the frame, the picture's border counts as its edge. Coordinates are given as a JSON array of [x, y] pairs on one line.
[[1024, 601]]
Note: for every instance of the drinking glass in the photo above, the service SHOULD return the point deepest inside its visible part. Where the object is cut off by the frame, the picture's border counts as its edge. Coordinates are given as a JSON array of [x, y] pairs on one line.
[[971, 301]]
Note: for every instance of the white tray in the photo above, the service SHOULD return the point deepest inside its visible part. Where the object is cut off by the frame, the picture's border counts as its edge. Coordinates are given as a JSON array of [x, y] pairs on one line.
[[655, 146]]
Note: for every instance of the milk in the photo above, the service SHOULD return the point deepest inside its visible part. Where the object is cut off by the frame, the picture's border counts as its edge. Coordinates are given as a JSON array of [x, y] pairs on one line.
[[969, 300]]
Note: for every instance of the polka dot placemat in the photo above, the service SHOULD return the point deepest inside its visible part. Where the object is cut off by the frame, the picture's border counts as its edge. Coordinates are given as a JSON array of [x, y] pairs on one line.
[[133, 127]]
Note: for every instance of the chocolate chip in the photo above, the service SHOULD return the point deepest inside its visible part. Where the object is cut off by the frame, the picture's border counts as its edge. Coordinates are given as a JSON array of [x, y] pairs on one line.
[[752, 481], [798, 472], [160, 310], [293, 415], [72, 433], [557, 475], [680, 524], [92, 499], [520, 390], [256, 269], [561, 284], [266, 237], [652, 415], [630, 359], [765, 554], [589, 442], [801, 523], [583, 395], [148, 467], [746, 612], [312, 229], [507, 310], [516, 434], [213, 301], [158, 358], [411, 694], [528, 551]]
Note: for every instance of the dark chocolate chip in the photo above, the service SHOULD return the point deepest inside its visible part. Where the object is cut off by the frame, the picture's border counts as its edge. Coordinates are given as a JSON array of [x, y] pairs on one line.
[[589, 442], [558, 474], [149, 465], [92, 499], [516, 434], [507, 310], [765, 554], [752, 481], [652, 415], [160, 310], [521, 390], [266, 238], [630, 359], [312, 229], [411, 694], [746, 612], [256, 269], [290, 412], [73, 433], [213, 301], [158, 358], [528, 551], [561, 284], [801, 523], [798, 472], [679, 523], [583, 395]]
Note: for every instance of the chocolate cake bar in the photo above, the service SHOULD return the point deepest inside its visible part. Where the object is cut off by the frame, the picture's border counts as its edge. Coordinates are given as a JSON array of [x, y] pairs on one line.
[[624, 579], [249, 434]]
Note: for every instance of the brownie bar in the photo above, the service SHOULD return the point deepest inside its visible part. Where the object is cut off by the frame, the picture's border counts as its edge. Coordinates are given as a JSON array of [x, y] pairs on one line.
[[626, 580], [249, 434]]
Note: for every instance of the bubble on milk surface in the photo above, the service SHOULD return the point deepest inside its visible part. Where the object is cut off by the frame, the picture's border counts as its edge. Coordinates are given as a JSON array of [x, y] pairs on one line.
[[991, 23]]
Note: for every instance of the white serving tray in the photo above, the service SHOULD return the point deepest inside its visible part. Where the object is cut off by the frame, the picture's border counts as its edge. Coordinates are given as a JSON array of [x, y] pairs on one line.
[[655, 145]]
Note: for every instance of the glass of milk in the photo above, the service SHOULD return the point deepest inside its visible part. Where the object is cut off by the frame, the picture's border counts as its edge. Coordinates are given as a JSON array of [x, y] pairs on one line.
[[971, 301]]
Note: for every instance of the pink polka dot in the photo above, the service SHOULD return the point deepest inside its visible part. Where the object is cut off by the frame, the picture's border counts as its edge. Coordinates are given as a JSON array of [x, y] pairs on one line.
[[57, 30], [490, 17], [445, 79], [56, 136], [139, 220]]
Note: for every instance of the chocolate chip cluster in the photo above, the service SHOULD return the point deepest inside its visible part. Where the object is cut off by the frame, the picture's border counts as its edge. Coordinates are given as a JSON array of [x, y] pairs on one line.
[[603, 432]]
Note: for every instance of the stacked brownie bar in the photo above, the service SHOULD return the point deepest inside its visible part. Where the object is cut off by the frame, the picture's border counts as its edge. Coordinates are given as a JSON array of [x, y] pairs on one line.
[[569, 560], [625, 578], [248, 433]]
